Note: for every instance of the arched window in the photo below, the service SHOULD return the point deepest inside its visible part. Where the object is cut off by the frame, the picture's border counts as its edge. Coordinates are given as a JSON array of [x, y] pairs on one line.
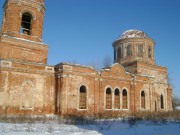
[[143, 100], [140, 51], [108, 99], [129, 53], [115, 55], [82, 97], [116, 99], [149, 52], [119, 53], [162, 102], [125, 101], [26, 23]]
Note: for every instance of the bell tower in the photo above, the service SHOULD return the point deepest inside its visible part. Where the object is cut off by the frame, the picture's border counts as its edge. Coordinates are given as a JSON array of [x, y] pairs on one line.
[[21, 35], [26, 81], [23, 19]]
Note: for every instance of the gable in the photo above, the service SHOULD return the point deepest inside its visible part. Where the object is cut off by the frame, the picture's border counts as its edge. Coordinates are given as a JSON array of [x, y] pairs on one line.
[[116, 70]]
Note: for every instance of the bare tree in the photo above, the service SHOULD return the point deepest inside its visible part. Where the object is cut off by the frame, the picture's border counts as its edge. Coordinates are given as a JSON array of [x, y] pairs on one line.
[[175, 102], [107, 61], [96, 65]]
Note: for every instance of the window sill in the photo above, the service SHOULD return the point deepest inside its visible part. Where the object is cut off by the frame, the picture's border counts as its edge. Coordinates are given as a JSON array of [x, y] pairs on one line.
[[117, 109], [125, 109], [21, 108], [82, 109], [143, 109], [109, 109]]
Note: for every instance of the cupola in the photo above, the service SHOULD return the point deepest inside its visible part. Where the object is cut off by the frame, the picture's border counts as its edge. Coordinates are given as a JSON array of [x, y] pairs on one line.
[[133, 45]]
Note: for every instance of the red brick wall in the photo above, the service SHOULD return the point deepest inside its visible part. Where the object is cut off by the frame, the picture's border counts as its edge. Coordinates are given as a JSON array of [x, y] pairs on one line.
[[13, 16]]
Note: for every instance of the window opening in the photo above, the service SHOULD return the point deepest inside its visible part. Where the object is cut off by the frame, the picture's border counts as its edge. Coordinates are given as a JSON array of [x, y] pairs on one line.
[[125, 102], [162, 102], [129, 53], [26, 23], [142, 100], [82, 97], [140, 51], [119, 53], [108, 99], [149, 52], [117, 99]]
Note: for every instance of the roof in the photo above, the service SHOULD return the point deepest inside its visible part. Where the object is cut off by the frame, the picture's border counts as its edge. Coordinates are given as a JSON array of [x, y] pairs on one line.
[[133, 34]]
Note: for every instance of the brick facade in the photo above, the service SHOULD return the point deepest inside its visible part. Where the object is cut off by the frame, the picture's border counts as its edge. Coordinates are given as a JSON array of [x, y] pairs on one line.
[[27, 82], [134, 83]]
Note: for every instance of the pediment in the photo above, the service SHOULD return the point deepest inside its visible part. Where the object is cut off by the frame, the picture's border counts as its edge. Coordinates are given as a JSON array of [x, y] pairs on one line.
[[116, 70]]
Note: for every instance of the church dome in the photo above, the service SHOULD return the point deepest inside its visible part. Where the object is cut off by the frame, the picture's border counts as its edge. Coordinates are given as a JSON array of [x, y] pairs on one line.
[[133, 34], [133, 45]]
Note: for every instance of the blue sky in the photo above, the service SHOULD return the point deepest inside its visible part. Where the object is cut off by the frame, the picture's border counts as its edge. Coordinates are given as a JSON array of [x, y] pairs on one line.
[[82, 31]]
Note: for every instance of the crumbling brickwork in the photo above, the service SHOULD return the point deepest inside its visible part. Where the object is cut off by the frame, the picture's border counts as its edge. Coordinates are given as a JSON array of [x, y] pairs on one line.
[[133, 84], [27, 83], [70, 78]]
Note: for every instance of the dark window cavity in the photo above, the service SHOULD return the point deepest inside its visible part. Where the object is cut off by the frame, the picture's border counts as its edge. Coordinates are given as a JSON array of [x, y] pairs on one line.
[[26, 23], [108, 99], [82, 97]]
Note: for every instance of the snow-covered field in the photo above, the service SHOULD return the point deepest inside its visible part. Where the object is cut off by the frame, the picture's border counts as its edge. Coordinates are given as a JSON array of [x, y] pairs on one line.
[[103, 127], [178, 108]]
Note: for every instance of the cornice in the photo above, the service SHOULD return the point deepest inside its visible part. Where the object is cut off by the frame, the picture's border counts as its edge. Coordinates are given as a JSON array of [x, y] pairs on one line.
[[31, 3]]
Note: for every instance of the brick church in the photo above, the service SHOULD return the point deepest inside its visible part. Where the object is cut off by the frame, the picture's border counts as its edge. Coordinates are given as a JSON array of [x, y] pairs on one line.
[[133, 84]]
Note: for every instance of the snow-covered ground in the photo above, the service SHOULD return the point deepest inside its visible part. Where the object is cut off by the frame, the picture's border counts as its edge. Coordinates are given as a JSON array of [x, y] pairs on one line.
[[103, 127], [178, 108]]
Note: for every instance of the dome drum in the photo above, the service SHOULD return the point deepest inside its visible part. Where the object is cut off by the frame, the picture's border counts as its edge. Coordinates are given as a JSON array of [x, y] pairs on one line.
[[134, 46]]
